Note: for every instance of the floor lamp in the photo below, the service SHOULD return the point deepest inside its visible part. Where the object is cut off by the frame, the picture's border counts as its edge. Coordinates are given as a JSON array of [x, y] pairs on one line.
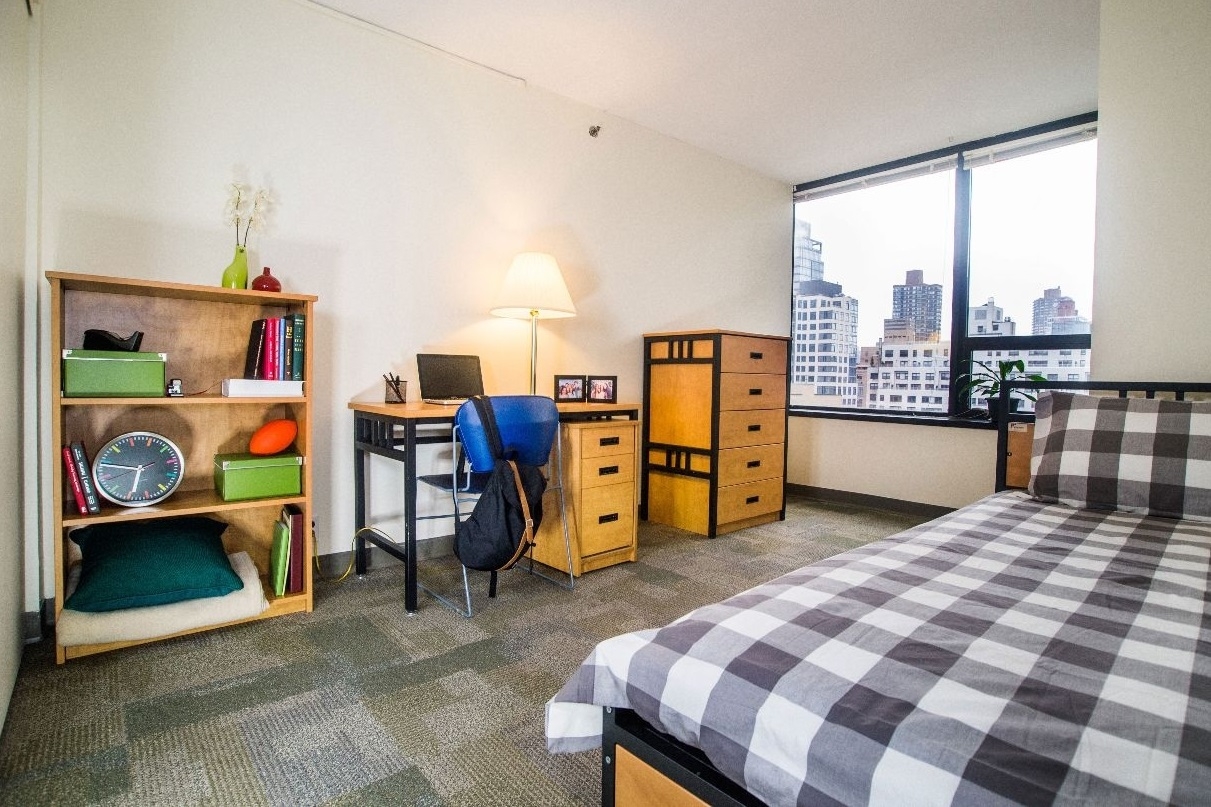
[[534, 290]]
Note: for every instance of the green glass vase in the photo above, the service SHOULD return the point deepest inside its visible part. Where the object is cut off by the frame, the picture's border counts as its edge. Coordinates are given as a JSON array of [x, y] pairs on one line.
[[235, 276]]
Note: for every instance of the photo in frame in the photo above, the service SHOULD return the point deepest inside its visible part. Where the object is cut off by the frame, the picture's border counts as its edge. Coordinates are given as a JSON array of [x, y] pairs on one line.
[[601, 389], [569, 388]]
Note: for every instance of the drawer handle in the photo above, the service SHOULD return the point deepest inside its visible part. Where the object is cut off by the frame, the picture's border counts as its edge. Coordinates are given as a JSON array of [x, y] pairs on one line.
[[754, 427], [607, 518], [758, 356], [752, 500], [754, 463], [608, 441], [754, 391], [607, 470]]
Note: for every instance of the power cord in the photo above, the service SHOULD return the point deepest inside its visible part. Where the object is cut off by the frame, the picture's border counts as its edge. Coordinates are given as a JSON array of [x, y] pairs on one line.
[[315, 552]]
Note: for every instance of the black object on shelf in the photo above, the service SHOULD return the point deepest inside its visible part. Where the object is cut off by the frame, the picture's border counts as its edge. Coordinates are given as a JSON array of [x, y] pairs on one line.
[[95, 339]]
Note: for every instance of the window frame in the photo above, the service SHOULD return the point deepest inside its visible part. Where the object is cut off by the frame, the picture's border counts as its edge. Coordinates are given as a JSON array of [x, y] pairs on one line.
[[962, 345]]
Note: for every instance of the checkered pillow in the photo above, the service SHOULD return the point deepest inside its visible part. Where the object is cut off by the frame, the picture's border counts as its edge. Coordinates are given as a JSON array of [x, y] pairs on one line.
[[1134, 455]]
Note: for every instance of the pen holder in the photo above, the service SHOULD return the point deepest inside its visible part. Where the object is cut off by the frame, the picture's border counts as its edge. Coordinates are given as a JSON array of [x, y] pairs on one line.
[[395, 392]]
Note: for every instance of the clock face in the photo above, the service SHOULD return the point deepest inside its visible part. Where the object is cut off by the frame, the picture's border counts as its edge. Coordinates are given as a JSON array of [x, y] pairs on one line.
[[138, 468]]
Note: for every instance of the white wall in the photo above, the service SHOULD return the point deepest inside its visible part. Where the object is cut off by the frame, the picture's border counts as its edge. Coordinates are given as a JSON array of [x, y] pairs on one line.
[[406, 181], [1153, 285], [14, 60]]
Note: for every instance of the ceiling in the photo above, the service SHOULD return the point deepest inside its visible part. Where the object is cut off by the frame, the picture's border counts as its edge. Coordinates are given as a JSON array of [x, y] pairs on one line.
[[795, 89]]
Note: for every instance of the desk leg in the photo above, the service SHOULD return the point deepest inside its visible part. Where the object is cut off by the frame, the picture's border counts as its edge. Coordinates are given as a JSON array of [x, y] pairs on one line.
[[360, 550], [410, 578]]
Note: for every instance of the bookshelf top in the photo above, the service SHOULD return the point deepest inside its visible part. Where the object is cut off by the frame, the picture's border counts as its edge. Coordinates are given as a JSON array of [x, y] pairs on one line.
[[70, 281]]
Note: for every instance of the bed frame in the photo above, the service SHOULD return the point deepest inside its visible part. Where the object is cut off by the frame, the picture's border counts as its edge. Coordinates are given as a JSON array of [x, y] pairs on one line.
[[643, 767]]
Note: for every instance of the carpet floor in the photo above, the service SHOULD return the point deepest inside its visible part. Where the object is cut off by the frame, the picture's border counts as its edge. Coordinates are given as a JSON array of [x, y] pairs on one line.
[[357, 703]]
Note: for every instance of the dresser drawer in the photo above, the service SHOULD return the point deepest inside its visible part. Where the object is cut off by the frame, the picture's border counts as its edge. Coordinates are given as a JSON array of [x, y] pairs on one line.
[[748, 464], [606, 439], [610, 469], [749, 427], [738, 502], [606, 518], [752, 391], [751, 354]]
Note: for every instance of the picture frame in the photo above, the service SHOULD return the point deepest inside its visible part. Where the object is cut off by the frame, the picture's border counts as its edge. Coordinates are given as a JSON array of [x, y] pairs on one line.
[[569, 388], [601, 389]]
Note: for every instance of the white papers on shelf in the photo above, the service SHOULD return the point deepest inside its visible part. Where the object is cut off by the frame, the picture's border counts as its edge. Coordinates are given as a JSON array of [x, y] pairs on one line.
[[259, 388]]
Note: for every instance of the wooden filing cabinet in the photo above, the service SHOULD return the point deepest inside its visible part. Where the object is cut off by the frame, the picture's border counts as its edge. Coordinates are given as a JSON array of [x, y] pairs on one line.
[[713, 457], [600, 474]]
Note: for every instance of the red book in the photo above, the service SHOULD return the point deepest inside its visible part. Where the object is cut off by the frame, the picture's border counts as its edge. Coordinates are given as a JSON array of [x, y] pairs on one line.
[[293, 515], [73, 478], [269, 367]]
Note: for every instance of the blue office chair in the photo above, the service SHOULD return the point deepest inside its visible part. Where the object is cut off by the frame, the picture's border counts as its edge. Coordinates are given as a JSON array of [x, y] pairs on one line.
[[529, 432]]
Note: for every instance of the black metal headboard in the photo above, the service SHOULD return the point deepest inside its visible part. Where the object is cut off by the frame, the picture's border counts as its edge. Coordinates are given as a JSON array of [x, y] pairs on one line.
[[1145, 389]]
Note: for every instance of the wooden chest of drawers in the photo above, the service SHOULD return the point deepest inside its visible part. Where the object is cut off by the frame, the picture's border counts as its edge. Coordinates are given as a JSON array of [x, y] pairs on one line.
[[601, 467], [714, 430]]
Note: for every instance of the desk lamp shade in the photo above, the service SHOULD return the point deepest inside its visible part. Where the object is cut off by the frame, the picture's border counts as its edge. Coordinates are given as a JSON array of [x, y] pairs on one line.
[[534, 290]]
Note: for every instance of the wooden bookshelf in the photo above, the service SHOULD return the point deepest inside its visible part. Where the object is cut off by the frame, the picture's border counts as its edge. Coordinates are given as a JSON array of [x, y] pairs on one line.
[[203, 330]]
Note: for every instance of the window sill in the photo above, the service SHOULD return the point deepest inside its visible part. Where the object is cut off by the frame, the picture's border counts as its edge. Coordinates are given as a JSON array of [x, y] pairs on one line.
[[891, 417]]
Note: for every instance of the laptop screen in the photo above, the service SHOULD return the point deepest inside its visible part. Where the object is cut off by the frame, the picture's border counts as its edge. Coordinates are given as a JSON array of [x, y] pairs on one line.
[[444, 376]]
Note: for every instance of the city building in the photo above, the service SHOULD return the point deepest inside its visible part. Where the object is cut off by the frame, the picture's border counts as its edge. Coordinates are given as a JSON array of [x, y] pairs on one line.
[[989, 320], [1048, 308], [908, 376], [808, 255], [824, 347], [920, 303]]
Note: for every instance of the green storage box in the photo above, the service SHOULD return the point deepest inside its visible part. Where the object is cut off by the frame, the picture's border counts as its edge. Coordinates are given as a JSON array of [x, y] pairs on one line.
[[113, 374], [251, 476]]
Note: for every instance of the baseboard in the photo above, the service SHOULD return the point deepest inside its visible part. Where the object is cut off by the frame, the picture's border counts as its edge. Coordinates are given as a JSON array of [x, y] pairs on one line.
[[866, 500], [32, 622]]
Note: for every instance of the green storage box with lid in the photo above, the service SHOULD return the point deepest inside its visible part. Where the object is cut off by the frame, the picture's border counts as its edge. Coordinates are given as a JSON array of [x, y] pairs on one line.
[[113, 374], [253, 476]]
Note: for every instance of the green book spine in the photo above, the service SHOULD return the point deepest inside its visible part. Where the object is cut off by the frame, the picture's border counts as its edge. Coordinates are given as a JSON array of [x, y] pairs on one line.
[[279, 558], [296, 353]]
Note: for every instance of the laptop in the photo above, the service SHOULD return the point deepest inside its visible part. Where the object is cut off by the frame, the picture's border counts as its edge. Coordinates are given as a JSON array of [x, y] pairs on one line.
[[447, 379]]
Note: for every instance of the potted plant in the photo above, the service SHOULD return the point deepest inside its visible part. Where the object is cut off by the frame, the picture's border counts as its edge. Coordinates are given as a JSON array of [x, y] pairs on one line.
[[986, 382]]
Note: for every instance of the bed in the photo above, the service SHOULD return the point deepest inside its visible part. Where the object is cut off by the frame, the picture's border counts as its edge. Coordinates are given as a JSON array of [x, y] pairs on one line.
[[1046, 646]]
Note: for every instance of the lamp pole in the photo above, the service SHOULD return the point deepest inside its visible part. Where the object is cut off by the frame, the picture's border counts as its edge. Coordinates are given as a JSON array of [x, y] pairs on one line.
[[533, 351]]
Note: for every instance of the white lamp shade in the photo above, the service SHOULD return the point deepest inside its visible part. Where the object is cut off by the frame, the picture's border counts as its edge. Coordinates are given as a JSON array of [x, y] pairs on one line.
[[534, 287]]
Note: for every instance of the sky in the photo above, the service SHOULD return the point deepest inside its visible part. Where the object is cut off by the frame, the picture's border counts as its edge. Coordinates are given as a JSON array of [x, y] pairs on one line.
[[1032, 229]]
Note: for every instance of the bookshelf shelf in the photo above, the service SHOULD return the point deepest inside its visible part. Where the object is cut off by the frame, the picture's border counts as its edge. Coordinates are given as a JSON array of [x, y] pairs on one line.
[[204, 332]]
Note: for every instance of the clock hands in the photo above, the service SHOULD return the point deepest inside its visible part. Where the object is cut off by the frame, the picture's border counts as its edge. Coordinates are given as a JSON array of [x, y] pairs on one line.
[[138, 473]]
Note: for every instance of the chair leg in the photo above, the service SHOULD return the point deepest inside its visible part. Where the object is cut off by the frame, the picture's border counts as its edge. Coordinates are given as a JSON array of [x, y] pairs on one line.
[[491, 585]]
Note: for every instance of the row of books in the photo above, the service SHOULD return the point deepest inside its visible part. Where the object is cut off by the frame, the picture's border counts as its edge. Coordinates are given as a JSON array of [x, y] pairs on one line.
[[275, 348], [79, 476], [286, 552]]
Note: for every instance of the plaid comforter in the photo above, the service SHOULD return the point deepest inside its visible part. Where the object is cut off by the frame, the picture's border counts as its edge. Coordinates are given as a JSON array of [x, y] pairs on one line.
[[1009, 652]]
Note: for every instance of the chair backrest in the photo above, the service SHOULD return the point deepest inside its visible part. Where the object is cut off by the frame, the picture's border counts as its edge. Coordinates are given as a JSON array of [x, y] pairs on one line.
[[527, 425]]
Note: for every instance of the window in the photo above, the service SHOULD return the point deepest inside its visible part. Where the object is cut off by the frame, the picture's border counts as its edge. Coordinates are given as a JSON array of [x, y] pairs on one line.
[[979, 252]]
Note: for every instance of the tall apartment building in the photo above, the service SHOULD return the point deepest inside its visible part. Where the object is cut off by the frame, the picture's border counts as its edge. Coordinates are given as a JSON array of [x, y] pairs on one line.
[[1048, 308], [824, 346], [920, 303]]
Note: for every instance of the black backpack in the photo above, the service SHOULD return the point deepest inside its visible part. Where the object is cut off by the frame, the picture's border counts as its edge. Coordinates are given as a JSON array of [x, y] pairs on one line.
[[501, 528]]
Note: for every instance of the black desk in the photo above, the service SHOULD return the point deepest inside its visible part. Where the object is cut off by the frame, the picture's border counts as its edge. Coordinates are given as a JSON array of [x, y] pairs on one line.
[[390, 430]]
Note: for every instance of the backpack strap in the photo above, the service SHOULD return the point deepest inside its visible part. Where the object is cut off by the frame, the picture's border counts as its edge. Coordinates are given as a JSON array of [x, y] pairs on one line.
[[527, 538], [487, 417]]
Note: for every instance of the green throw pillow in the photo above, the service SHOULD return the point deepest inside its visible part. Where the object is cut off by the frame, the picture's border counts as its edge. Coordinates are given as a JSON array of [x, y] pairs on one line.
[[131, 564]]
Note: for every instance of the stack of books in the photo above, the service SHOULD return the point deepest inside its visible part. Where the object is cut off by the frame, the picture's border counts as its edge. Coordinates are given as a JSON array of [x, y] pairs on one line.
[[273, 365], [286, 554]]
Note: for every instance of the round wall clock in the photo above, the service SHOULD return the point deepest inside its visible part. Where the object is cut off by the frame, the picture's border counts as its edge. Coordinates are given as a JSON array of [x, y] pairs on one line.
[[138, 468]]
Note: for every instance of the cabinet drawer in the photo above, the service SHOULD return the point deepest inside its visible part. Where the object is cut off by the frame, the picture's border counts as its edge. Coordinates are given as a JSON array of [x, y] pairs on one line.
[[606, 518], [737, 502], [751, 354], [610, 469], [607, 439], [751, 463], [752, 391], [748, 427]]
